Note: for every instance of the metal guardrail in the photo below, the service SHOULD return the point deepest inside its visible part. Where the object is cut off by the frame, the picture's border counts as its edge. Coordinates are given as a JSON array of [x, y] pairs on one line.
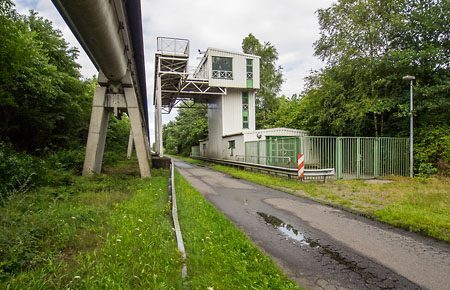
[[174, 46], [176, 223], [289, 172]]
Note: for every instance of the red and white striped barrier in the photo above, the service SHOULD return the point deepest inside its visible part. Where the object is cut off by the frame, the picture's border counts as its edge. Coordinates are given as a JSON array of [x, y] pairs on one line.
[[301, 166]]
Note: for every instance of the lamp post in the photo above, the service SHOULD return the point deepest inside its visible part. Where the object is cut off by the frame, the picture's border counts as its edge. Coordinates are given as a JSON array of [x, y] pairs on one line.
[[411, 125]]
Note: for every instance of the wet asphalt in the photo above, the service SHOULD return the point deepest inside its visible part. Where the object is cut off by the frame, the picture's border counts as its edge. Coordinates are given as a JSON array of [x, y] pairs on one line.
[[321, 247]]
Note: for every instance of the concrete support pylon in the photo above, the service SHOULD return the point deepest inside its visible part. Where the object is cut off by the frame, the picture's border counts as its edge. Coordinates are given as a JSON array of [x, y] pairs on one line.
[[130, 145], [108, 98], [97, 133], [158, 118], [138, 131]]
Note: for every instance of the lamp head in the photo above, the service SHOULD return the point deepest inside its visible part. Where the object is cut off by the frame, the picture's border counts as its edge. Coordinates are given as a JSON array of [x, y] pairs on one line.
[[409, 78]]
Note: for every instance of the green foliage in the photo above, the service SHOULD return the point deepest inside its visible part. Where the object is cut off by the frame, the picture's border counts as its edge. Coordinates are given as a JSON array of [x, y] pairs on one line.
[[271, 78], [43, 101], [21, 172], [18, 172], [368, 47], [117, 139], [432, 151], [106, 230], [189, 126]]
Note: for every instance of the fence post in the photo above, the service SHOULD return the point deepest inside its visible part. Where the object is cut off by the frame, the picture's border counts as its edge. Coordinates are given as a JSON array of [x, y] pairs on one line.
[[358, 158], [376, 158], [257, 152], [338, 158]]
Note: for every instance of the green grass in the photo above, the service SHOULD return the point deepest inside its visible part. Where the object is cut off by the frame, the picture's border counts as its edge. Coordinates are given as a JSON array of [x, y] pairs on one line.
[[190, 160], [114, 231], [101, 232], [419, 205], [218, 254]]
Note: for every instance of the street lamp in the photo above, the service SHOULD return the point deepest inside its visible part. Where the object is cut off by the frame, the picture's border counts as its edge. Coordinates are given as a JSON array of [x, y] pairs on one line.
[[411, 126]]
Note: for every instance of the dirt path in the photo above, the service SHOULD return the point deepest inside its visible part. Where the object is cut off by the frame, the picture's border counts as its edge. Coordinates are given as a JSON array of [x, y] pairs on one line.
[[322, 247]]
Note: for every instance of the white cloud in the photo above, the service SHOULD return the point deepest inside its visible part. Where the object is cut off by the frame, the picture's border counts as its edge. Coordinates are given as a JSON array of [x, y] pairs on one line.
[[290, 25]]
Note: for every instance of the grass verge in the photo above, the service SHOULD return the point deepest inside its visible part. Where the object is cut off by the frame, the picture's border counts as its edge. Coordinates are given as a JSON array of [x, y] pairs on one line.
[[114, 231], [419, 205], [101, 232], [219, 255]]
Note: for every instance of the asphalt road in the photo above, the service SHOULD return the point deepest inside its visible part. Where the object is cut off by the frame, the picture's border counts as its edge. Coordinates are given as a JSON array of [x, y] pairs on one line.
[[321, 247]]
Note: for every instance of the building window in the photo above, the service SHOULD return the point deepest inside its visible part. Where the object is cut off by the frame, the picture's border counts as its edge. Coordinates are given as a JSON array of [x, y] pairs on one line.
[[222, 67], [249, 73], [231, 146], [245, 121], [249, 69]]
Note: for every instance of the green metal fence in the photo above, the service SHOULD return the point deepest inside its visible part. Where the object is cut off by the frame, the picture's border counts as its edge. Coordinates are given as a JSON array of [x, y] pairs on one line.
[[352, 157]]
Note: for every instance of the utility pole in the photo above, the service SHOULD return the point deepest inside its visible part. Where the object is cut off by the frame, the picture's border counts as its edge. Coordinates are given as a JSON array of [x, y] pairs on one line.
[[411, 125]]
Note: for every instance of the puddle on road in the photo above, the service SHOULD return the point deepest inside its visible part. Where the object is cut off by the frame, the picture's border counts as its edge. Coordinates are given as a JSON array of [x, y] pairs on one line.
[[286, 229], [293, 233]]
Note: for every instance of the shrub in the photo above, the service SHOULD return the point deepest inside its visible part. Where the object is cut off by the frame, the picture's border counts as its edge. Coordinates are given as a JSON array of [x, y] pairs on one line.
[[432, 151], [18, 172]]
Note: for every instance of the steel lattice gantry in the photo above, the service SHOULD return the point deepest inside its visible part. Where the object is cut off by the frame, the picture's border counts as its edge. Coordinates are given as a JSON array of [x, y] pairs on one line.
[[175, 86]]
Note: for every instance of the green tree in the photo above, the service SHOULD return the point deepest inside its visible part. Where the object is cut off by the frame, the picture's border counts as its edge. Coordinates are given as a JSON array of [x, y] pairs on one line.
[[190, 125], [271, 77], [368, 46], [43, 101]]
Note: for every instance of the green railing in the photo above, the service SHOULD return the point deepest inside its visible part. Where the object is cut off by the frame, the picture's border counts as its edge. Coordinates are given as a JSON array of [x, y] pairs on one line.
[[352, 157]]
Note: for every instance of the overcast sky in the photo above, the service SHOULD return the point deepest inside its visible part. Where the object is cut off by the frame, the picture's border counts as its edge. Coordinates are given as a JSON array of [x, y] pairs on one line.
[[290, 25]]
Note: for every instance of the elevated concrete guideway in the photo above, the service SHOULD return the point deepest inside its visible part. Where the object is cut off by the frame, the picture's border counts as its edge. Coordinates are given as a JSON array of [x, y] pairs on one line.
[[175, 84], [110, 31]]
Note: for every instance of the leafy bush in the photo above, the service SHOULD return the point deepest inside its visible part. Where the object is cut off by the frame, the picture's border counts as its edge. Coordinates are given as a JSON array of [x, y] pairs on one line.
[[67, 159], [432, 151], [18, 171]]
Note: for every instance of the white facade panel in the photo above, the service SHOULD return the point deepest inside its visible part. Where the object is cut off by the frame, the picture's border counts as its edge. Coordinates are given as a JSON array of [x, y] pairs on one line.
[[232, 108], [234, 154], [232, 112], [239, 67], [256, 74], [252, 111], [215, 132]]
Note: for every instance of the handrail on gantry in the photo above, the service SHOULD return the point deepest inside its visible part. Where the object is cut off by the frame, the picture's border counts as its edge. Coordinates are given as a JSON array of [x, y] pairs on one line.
[[173, 46]]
